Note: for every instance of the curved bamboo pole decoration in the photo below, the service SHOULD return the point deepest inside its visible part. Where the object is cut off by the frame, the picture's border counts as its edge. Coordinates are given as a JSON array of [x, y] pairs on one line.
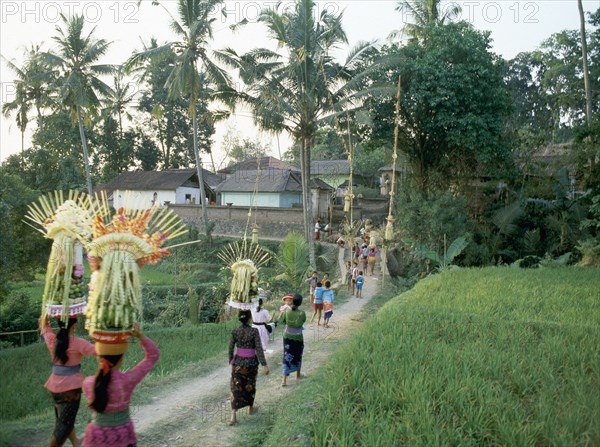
[[348, 149], [389, 228], [254, 233]]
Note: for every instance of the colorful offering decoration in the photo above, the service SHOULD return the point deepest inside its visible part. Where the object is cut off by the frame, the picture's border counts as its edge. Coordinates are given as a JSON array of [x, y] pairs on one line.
[[122, 244], [68, 222], [244, 260]]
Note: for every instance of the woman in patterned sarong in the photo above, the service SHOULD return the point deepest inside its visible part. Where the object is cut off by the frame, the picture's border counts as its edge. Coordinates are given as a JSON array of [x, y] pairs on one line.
[[244, 364], [293, 341]]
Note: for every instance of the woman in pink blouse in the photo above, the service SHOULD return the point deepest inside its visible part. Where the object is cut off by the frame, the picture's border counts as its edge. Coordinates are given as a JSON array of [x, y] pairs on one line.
[[109, 393], [66, 379]]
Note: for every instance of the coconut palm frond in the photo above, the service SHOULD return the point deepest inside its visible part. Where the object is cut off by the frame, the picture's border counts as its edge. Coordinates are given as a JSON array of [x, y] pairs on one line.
[[240, 250]]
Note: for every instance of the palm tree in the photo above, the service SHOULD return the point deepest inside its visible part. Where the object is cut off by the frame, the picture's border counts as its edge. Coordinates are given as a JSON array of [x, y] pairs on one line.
[[586, 71], [424, 13], [31, 90], [78, 85], [21, 106], [119, 97], [293, 260], [195, 75], [298, 89]]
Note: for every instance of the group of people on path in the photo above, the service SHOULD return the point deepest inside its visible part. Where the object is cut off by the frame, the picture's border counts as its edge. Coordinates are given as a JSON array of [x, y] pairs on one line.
[[247, 351], [365, 256], [320, 229], [109, 391], [363, 263], [249, 341], [321, 298]]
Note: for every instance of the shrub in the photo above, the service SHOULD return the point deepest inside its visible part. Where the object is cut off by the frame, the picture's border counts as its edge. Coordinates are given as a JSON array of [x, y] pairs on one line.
[[173, 311], [426, 218], [18, 313], [366, 192]]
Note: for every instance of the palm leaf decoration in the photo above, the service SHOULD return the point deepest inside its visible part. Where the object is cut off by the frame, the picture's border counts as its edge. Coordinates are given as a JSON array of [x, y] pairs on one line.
[[67, 220], [240, 250], [244, 260]]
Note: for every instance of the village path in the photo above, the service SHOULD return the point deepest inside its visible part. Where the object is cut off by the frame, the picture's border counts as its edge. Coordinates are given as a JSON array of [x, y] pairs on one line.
[[196, 412]]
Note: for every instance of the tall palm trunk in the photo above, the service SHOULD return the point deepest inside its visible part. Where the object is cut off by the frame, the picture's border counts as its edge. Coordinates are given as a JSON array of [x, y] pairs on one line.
[[86, 161], [586, 73], [306, 198], [165, 151], [200, 173], [212, 162], [120, 124], [40, 117]]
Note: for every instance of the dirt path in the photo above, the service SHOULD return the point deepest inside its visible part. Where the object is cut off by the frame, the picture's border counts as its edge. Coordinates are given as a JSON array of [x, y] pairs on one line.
[[196, 412]]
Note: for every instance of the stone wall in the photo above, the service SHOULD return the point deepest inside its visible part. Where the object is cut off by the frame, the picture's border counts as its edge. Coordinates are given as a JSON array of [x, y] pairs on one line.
[[274, 222], [232, 220]]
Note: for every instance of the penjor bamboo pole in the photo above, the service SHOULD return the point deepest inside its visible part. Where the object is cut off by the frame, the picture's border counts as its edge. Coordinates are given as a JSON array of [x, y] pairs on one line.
[[389, 230]]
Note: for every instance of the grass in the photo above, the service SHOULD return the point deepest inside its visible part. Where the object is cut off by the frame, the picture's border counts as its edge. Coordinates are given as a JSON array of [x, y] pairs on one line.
[[185, 352], [467, 358]]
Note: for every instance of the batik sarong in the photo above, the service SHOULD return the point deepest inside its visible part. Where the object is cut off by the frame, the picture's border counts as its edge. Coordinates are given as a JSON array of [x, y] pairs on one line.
[[66, 406], [243, 386], [292, 356]]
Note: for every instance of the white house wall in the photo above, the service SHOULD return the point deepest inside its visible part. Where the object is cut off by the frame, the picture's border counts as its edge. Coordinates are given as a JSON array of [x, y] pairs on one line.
[[267, 199], [181, 192], [320, 204], [133, 199]]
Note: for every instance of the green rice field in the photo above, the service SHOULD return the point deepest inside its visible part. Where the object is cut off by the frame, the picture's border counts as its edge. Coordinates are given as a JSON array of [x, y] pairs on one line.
[[471, 357]]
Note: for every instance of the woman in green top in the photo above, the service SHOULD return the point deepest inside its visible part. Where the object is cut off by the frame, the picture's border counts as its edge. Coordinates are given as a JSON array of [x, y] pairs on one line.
[[293, 341]]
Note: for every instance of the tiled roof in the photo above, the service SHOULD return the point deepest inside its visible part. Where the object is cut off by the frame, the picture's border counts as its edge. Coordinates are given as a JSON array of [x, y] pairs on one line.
[[169, 179], [269, 180], [263, 163], [329, 167]]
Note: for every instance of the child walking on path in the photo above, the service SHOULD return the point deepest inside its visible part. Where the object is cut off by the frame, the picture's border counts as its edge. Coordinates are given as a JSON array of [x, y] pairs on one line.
[[354, 276], [328, 298], [287, 300], [348, 276], [312, 282], [360, 280], [318, 304]]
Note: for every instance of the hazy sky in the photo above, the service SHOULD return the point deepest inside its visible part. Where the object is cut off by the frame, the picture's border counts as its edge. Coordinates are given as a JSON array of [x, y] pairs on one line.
[[515, 26]]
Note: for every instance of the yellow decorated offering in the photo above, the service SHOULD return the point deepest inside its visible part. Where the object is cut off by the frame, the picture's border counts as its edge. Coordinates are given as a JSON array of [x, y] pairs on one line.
[[123, 243]]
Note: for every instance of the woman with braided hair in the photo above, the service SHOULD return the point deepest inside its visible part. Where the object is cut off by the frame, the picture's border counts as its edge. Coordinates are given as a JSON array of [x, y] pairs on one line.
[[109, 393], [66, 379]]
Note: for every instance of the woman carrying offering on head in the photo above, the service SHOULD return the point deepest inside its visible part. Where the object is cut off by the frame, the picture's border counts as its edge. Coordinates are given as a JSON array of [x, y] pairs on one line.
[[293, 341], [65, 381], [244, 364], [109, 393]]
